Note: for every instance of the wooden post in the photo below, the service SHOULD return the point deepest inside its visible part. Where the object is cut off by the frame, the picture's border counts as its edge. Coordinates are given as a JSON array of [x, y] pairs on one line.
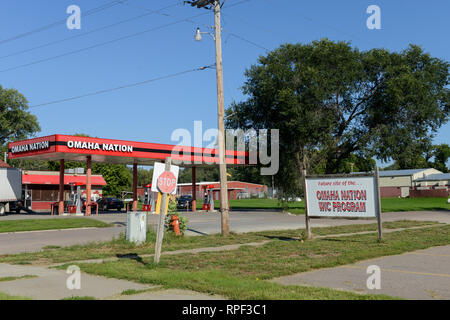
[[307, 222], [377, 190], [61, 188], [88, 185], [162, 217], [221, 126]]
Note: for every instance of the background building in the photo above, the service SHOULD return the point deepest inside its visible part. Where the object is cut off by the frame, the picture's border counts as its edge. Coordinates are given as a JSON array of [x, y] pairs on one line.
[[400, 183], [236, 189], [41, 188]]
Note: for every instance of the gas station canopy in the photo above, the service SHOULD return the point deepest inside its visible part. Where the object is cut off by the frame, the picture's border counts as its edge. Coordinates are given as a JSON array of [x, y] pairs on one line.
[[63, 148], [75, 148]]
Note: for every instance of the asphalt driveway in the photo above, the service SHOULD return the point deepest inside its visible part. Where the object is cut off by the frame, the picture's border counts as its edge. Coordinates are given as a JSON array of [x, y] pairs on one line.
[[422, 275]]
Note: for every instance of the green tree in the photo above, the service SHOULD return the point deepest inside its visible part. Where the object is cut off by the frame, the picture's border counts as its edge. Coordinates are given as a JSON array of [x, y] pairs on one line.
[[419, 156], [144, 176], [441, 155], [117, 176], [330, 101], [16, 123], [210, 174]]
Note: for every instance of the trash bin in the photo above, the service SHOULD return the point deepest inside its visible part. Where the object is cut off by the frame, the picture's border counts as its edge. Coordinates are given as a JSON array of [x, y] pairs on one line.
[[136, 227]]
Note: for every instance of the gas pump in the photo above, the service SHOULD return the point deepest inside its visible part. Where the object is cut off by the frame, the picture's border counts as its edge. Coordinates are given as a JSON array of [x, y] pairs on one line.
[[208, 200], [148, 198], [75, 198]]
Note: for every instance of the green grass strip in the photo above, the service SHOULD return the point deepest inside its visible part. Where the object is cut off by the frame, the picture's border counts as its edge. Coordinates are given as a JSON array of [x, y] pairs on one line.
[[50, 224], [27, 276], [5, 296]]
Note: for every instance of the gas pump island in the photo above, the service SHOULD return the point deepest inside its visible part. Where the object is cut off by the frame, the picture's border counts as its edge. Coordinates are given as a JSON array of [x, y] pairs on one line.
[[149, 199], [75, 198], [208, 199], [74, 148]]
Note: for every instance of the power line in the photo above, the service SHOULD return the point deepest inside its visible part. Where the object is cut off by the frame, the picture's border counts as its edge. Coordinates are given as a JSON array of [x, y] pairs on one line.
[[56, 23], [124, 86], [188, 19], [150, 12], [248, 41], [102, 43]]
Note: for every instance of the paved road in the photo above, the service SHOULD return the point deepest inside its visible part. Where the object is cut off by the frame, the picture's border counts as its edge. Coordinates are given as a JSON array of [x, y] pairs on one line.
[[34, 241], [199, 223], [423, 275]]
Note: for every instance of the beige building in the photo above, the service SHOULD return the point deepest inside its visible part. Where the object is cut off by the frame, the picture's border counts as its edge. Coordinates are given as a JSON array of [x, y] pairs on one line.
[[434, 180], [397, 183]]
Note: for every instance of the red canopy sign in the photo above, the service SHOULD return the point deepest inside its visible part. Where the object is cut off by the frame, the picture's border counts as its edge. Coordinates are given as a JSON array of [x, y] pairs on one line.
[[167, 182]]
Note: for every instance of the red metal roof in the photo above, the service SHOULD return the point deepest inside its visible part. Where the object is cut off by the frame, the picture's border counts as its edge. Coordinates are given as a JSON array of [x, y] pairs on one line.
[[75, 148], [54, 179]]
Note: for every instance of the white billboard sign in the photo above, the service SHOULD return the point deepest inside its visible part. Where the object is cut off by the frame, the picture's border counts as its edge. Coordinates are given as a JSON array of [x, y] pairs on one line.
[[348, 196], [158, 169]]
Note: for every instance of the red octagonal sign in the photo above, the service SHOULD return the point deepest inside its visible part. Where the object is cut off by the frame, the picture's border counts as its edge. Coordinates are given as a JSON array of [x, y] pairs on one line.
[[167, 182]]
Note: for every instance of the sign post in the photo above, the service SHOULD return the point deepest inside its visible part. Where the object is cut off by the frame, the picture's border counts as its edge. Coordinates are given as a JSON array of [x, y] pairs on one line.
[[377, 182], [347, 196], [166, 184], [307, 225]]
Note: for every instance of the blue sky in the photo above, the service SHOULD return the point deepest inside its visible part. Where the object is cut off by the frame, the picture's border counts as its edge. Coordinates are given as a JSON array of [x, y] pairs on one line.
[[151, 112]]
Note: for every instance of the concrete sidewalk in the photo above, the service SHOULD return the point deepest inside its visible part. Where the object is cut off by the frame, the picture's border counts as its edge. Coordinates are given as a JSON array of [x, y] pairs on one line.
[[50, 284], [423, 274]]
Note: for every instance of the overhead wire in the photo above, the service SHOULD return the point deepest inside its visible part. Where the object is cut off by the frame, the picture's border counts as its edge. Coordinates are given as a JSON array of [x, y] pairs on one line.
[[188, 19], [127, 85], [59, 22], [101, 44], [150, 12], [124, 86]]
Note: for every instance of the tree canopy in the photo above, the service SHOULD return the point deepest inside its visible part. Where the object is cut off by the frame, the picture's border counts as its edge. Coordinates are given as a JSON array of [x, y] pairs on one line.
[[332, 102], [426, 156], [16, 122]]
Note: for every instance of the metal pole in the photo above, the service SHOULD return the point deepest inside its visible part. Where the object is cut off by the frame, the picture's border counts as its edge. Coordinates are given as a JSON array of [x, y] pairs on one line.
[[162, 217], [377, 188], [194, 190], [220, 103]]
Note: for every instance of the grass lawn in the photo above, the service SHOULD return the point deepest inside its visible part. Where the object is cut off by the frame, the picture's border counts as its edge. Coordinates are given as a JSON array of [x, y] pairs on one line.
[[120, 247], [5, 296], [240, 274], [387, 204], [27, 276], [49, 224], [414, 204]]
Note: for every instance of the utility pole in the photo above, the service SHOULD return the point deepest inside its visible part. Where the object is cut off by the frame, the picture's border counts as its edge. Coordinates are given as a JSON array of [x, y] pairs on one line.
[[216, 5]]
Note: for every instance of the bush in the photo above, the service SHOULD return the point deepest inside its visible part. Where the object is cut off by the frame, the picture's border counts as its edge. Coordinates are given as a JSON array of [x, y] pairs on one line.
[[172, 211]]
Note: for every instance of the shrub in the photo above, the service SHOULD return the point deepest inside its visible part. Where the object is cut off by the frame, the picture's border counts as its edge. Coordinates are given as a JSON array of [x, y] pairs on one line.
[[171, 211]]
